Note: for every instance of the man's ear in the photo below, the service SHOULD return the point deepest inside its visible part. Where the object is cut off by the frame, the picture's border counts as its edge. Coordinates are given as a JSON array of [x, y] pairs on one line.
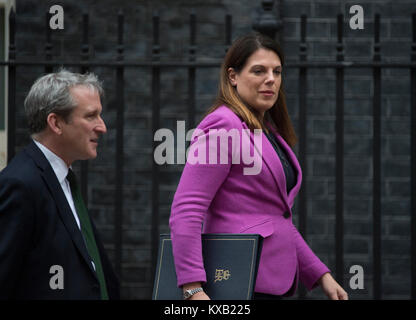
[[232, 76], [55, 123]]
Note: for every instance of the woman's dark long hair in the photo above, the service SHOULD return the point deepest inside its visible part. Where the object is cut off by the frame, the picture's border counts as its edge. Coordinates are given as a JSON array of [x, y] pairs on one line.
[[236, 58]]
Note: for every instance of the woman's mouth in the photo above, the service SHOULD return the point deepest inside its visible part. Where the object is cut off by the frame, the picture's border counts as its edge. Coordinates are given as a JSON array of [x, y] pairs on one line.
[[267, 93]]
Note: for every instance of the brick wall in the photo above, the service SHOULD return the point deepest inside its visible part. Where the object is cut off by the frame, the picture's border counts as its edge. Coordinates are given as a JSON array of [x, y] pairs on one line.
[[321, 37], [395, 141]]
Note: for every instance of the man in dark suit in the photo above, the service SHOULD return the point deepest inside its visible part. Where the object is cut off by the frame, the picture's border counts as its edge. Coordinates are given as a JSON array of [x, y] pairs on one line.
[[49, 247]]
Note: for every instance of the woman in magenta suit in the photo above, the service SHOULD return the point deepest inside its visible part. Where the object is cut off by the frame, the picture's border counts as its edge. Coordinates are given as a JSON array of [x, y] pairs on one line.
[[220, 191]]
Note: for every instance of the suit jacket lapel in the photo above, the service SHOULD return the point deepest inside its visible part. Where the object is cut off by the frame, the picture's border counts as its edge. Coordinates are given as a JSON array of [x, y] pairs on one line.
[[296, 166], [64, 209], [272, 162]]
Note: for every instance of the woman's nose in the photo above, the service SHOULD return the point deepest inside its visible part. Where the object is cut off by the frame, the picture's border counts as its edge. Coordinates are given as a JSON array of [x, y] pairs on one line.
[[270, 76]]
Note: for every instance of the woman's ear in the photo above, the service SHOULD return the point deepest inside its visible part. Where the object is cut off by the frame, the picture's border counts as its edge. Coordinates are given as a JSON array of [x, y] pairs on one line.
[[232, 76]]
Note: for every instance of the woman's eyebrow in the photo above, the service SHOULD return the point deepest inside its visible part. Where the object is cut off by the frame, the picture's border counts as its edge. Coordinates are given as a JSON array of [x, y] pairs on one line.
[[260, 65]]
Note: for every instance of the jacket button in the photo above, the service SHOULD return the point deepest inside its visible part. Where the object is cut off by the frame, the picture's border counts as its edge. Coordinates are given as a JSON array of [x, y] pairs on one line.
[[286, 214]]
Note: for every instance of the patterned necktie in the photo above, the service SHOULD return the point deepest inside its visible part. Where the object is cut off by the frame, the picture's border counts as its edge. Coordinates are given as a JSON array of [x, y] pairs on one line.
[[87, 232]]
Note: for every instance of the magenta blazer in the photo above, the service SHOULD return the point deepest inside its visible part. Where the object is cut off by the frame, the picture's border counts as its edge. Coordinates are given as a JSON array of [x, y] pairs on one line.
[[220, 198]]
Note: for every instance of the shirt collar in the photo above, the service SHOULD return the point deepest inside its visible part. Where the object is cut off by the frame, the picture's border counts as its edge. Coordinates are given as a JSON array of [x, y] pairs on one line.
[[58, 165]]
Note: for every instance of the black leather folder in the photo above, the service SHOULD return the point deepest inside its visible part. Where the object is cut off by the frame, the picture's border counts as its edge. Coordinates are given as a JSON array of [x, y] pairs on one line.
[[230, 261]]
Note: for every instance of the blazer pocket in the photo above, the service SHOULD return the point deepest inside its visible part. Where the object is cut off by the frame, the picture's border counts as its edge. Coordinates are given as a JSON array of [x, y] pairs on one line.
[[265, 228]]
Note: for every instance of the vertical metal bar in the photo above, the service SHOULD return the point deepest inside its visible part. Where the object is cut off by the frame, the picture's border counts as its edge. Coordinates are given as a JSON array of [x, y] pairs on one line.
[[413, 161], [155, 127], [268, 22], [119, 148], [339, 124], [228, 30], [85, 47], [302, 135], [191, 72], [48, 44], [377, 163], [11, 113], [84, 69]]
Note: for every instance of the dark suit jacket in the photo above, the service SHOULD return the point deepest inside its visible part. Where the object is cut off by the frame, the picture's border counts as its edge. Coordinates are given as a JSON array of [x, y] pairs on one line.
[[38, 231]]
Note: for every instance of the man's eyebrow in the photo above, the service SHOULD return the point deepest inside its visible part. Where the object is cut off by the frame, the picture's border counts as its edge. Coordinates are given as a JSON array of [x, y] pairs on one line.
[[92, 111]]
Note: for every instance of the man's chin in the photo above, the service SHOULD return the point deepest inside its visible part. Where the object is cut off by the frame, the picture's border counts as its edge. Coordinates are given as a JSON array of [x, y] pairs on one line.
[[91, 155]]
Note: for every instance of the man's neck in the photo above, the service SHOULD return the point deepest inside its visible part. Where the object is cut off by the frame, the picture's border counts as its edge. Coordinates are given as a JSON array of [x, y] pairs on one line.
[[52, 146]]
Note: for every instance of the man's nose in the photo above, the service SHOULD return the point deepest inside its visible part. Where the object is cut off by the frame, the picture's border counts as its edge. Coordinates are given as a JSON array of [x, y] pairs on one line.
[[101, 126]]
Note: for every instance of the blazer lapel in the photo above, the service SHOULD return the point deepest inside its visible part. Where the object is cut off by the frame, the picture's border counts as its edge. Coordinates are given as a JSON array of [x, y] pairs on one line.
[[294, 191], [272, 162], [64, 209]]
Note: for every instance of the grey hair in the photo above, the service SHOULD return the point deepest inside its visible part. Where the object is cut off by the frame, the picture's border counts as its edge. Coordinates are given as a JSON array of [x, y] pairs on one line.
[[51, 94]]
